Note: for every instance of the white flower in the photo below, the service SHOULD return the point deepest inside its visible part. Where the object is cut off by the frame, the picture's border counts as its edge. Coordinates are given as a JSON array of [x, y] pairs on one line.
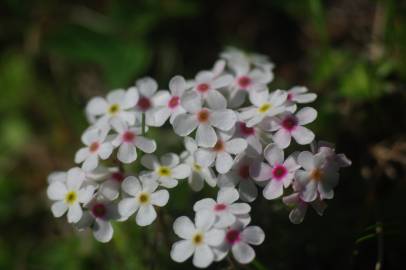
[[253, 136], [280, 173], [96, 147], [265, 105], [169, 106], [203, 119], [235, 56], [98, 218], [318, 177], [116, 107], [226, 210], [142, 197], [207, 85], [221, 153], [128, 139], [110, 188], [70, 195], [167, 171], [298, 94], [199, 174], [198, 239], [290, 125], [149, 100], [239, 175], [238, 239], [338, 160]]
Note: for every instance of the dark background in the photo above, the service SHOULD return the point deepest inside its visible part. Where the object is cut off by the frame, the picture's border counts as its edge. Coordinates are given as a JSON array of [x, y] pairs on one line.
[[56, 55]]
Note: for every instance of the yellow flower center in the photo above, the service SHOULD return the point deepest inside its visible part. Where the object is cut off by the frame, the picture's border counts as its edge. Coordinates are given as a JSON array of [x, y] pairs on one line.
[[71, 197], [164, 171], [197, 239], [264, 107], [113, 109], [197, 167], [316, 175], [143, 198]]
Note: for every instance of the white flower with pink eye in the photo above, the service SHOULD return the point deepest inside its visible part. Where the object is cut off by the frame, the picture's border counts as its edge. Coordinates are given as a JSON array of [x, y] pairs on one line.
[[226, 210], [238, 239], [204, 119], [167, 171], [199, 174], [117, 106], [207, 85], [98, 218], [198, 239], [110, 188], [128, 139], [221, 154], [96, 147], [169, 106], [70, 194], [298, 94], [318, 178], [290, 125], [148, 100], [235, 56], [277, 171], [338, 160], [265, 104], [239, 175], [142, 196], [254, 136], [299, 207]]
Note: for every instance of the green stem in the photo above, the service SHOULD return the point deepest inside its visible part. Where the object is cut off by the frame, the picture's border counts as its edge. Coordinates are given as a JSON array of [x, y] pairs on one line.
[[258, 265]]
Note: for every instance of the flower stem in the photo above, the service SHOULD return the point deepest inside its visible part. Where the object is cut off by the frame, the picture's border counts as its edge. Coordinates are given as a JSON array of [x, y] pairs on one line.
[[258, 265]]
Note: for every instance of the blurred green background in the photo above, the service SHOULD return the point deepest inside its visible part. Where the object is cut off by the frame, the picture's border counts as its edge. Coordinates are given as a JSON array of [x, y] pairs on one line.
[[56, 55]]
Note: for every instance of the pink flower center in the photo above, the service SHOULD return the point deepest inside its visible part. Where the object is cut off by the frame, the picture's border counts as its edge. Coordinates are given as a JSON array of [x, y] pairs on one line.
[[244, 82], [174, 102], [144, 103], [203, 87], [290, 96], [244, 171], [289, 123], [94, 146], [203, 116], [99, 210], [219, 146], [220, 207], [246, 131], [279, 171], [129, 136], [118, 176], [233, 236]]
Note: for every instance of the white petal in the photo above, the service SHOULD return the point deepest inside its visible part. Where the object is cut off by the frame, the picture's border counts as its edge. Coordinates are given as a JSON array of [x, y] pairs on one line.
[[131, 98], [303, 135], [184, 124], [147, 86], [102, 230], [240, 208], [128, 206], [273, 154], [91, 135], [110, 190], [182, 250], [131, 185], [191, 102], [56, 191], [273, 190], [161, 98], [243, 253], [235, 146], [306, 160], [149, 161], [206, 136], [127, 153], [105, 150], [223, 120], [203, 256], [215, 100], [248, 191], [146, 215], [227, 195], [59, 208], [170, 160], [298, 213], [282, 138], [81, 155], [75, 178], [116, 96], [146, 145], [204, 220], [74, 213], [158, 116], [306, 115], [257, 98], [214, 237], [222, 81], [184, 227], [261, 171], [204, 157], [86, 194], [190, 144], [309, 193], [304, 98], [160, 198], [90, 163], [253, 235], [97, 106], [196, 181], [225, 219], [224, 162], [207, 203], [181, 171], [177, 85]]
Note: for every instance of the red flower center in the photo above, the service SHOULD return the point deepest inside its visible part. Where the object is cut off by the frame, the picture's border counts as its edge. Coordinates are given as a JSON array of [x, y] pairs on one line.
[[203, 116], [244, 82], [203, 87], [144, 103], [94, 147], [233, 236], [246, 131], [99, 210], [118, 176], [128, 136], [290, 96], [174, 102], [279, 172], [289, 123], [220, 207], [244, 171]]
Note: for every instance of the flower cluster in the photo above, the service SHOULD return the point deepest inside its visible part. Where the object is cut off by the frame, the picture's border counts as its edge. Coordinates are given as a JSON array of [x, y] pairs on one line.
[[236, 133]]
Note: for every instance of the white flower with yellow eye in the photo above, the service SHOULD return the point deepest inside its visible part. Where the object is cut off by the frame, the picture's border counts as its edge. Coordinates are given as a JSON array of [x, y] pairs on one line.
[[166, 171], [69, 195]]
